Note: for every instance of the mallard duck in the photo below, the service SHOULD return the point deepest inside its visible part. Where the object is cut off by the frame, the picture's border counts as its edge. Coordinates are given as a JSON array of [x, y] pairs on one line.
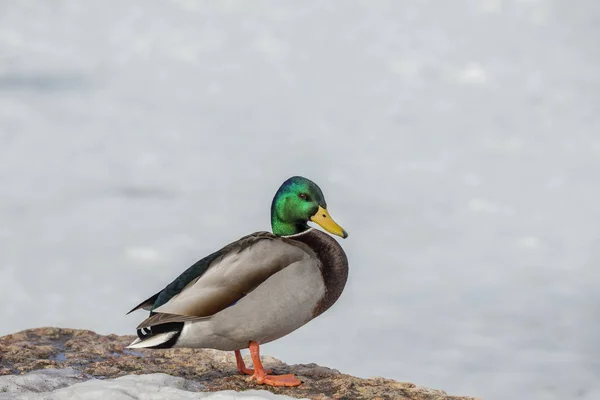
[[257, 289]]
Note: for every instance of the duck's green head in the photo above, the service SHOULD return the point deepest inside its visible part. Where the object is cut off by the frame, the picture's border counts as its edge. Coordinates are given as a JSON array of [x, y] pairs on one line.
[[298, 201]]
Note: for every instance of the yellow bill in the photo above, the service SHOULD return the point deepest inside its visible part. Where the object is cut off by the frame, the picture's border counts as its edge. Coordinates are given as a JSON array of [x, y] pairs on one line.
[[324, 220]]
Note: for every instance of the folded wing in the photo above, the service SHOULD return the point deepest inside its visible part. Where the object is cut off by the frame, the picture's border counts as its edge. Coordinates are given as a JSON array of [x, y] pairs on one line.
[[232, 273]]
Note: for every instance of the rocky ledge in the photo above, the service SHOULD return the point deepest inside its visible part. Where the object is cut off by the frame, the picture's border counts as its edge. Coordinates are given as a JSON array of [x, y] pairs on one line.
[[86, 356]]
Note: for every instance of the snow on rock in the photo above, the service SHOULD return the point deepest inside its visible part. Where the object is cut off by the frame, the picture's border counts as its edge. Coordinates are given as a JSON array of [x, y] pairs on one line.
[[58, 384]]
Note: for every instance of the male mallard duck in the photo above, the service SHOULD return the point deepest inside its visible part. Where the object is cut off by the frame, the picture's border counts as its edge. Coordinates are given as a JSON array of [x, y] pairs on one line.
[[256, 290]]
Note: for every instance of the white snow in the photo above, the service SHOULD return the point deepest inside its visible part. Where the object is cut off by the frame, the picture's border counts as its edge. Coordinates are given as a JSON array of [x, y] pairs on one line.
[[69, 384]]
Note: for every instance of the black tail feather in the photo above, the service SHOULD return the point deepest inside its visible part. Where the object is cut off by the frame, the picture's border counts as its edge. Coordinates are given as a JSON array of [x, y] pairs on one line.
[[148, 332], [146, 303]]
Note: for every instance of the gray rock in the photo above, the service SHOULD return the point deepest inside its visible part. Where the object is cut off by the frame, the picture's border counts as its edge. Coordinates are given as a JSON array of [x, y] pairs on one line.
[[44, 380]]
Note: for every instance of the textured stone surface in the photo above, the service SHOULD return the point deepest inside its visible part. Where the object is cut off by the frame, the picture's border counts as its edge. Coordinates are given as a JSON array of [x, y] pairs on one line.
[[90, 355]]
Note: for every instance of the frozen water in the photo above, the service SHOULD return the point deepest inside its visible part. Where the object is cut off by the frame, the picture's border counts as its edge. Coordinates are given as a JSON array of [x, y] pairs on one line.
[[457, 142]]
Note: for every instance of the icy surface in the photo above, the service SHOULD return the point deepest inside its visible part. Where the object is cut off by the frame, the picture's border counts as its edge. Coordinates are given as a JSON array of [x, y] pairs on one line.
[[69, 384], [458, 142]]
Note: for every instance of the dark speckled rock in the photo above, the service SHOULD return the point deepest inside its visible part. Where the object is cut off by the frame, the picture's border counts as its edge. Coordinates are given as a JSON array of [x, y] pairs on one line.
[[100, 356]]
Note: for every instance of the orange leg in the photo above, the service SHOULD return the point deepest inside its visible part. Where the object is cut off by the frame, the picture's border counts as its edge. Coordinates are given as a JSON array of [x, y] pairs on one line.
[[261, 376], [241, 366]]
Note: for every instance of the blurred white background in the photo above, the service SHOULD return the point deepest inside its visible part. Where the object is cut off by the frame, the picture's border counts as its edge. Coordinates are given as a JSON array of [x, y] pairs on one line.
[[457, 142]]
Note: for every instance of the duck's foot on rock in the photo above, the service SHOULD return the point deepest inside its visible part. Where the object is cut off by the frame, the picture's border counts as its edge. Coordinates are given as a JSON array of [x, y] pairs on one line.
[[288, 380], [242, 366], [250, 371], [262, 376]]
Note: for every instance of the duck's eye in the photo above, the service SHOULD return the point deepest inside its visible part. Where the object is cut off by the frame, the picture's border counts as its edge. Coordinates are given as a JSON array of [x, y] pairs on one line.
[[303, 196]]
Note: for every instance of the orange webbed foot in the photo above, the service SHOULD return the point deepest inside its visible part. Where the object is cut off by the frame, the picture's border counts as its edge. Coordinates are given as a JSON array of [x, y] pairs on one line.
[[246, 371], [288, 380], [250, 371], [262, 376]]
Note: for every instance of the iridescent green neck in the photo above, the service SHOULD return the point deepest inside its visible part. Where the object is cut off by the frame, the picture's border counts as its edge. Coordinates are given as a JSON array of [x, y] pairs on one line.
[[281, 228]]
